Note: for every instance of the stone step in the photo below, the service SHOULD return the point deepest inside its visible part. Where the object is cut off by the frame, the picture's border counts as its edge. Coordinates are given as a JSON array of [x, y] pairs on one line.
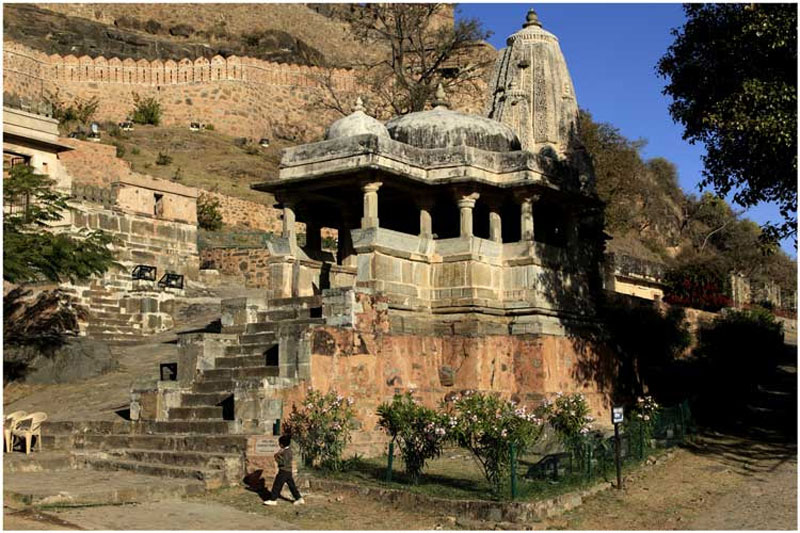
[[249, 349], [48, 460], [219, 444], [259, 327], [239, 373], [195, 413], [240, 361], [113, 321], [265, 337], [97, 301], [86, 487], [212, 479], [209, 399], [227, 462], [190, 427]]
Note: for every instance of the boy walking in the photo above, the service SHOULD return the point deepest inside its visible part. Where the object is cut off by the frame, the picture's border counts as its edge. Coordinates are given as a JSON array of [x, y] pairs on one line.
[[284, 475]]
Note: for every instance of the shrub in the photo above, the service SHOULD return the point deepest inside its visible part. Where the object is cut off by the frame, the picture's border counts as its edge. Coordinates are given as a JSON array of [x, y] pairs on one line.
[[569, 416], [641, 419], [419, 431], [208, 214], [210, 127], [80, 110], [699, 285], [321, 427], [487, 425], [135, 150], [163, 159], [252, 149], [120, 149], [146, 110]]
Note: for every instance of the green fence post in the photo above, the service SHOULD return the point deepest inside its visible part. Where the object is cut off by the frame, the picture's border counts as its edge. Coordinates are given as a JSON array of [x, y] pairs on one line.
[[389, 462], [513, 452], [589, 460], [641, 441]]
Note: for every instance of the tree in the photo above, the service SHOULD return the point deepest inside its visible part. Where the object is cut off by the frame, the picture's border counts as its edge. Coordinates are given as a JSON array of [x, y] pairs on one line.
[[32, 252], [732, 74], [421, 51], [208, 214]]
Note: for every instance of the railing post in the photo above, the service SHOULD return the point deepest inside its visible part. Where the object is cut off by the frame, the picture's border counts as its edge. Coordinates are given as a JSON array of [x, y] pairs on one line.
[[389, 462], [513, 453]]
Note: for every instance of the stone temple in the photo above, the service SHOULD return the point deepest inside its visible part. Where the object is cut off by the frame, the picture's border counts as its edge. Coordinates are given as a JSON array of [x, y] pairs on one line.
[[467, 258]]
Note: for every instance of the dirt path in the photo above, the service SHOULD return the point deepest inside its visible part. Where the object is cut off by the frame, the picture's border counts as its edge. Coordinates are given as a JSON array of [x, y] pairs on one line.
[[720, 483]]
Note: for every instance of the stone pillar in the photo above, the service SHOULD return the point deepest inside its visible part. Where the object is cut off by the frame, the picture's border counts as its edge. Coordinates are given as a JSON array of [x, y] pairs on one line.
[[370, 218], [466, 203], [289, 231], [425, 220], [526, 221], [495, 223]]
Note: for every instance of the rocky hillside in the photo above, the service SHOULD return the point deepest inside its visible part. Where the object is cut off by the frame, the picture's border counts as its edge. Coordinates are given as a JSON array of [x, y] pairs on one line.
[[291, 33]]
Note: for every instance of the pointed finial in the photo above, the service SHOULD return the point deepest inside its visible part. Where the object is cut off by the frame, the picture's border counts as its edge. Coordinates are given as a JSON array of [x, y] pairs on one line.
[[359, 105], [532, 19], [440, 98]]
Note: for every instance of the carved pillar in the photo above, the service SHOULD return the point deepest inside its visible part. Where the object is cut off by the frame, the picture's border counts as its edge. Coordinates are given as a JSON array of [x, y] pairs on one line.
[[466, 203], [495, 223], [526, 220], [289, 220], [425, 220], [370, 218]]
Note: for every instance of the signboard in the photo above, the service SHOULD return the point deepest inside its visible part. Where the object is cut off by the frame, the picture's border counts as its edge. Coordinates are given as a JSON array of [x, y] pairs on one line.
[[616, 415], [266, 446]]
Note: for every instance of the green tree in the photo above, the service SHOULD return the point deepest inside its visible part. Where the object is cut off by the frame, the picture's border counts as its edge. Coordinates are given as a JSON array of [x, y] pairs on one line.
[[34, 253], [208, 214], [732, 75], [146, 110]]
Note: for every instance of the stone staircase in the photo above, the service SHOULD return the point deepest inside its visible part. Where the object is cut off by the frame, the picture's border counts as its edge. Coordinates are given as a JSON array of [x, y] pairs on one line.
[[771, 410], [107, 321], [203, 438]]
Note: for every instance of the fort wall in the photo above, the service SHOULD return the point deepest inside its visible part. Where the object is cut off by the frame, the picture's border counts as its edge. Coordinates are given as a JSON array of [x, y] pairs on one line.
[[239, 96]]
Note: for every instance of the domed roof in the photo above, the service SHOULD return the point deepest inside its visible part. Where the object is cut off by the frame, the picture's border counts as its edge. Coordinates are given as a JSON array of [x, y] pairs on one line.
[[356, 123], [443, 128]]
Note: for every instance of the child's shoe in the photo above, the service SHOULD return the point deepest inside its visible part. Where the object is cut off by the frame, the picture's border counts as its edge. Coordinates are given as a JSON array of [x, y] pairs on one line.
[[299, 501], [270, 502]]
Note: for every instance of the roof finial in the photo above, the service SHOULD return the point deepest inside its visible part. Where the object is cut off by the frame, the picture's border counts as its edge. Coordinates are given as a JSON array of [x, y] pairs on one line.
[[532, 19], [359, 105], [440, 98]]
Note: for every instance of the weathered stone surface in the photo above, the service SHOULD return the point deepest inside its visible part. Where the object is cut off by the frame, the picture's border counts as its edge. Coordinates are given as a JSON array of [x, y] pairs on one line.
[[78, 359]]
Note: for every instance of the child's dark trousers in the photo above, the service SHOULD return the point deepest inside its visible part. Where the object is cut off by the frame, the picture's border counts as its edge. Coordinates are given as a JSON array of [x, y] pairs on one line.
[[284, 477]]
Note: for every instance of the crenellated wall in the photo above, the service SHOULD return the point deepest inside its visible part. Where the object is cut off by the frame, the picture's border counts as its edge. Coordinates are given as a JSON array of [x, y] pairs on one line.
[[240, 96]]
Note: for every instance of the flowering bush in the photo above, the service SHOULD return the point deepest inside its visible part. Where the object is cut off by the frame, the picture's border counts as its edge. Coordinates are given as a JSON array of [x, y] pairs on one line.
[[487, 425], [419, 431], [321, 427], [569, 417], [639, 424]]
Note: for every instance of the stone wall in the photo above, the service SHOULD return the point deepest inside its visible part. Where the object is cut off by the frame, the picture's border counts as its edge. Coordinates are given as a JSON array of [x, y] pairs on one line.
[[250, 263], [242, 213], [239, 96]]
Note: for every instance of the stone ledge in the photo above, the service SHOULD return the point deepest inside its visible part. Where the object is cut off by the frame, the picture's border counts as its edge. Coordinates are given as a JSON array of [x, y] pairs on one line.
[[515, 512]]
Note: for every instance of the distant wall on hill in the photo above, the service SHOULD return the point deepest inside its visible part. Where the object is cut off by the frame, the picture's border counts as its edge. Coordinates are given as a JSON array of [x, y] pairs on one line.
[[239, 96]]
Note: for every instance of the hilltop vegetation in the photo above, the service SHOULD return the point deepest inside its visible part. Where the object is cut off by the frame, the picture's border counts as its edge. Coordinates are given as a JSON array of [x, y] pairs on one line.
[[650, 216]]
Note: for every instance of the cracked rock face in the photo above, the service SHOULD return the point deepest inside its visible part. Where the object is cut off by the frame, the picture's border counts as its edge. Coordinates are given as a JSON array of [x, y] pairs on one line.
[[443, 128]]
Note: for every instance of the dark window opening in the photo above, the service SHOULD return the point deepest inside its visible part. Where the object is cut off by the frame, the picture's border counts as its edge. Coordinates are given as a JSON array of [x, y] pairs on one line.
[[511, 223], [549, 224], [480, 220], [397, 212], [446, 219], [168, 371], [228, 411], [272, 355], [158, 207], [315, 312]]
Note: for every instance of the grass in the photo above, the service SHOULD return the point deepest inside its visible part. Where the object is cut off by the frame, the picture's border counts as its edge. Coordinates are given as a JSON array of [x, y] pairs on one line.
[[208, 160], [456, 475]]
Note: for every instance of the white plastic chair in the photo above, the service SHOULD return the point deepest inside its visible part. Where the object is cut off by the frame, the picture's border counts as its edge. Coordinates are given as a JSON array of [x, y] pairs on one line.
[[10, 423], [28, 427]]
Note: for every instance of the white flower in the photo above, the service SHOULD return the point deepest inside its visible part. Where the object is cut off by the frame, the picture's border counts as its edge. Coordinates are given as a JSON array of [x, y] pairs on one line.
[[647, 417], [504, 433]]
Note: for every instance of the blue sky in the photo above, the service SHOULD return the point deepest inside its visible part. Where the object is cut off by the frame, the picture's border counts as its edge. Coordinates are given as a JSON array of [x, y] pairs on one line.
[[611, 52]]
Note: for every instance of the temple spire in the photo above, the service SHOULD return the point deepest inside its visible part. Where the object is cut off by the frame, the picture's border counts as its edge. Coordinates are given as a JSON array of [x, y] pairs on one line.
[[359, 105], [440, 98]]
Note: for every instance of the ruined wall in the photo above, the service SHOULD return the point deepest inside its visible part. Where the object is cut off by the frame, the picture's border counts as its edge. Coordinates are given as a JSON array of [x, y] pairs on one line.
[[239, 96], [250, 263], [238, 212]]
